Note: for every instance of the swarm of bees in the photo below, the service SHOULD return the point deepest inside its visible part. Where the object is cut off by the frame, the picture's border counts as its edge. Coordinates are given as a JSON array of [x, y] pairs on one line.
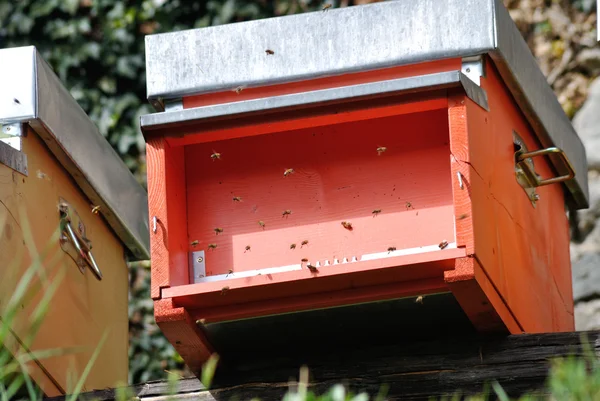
[[218, 230], [443, 244], [347, 225], [288, 172]]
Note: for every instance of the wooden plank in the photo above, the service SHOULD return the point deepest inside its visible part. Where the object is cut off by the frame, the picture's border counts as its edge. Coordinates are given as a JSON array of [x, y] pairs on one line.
[[83, 307], [413, 371]]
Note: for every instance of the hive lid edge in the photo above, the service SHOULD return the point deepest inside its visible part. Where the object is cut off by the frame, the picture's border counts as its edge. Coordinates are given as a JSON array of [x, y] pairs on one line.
[[77, 144]]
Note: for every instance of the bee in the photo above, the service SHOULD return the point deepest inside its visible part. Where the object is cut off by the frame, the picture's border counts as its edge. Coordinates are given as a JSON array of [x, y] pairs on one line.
[[195, 242], [347, 225], [463, 216], [215, 155], [239, 89], [380, 150], [200, 322], [262, 224], [326, 6], [247, 248], [391, 249], [269, 52], [95, 209], [293, 246], [312, 268], [212, 246], [305, 242], [229, 272], [237, 198], [288, 172], [419, 300], [408, 205], [286, 213], [443, 244], [304, 260], [224, 290], [376, 212], [218, 230]]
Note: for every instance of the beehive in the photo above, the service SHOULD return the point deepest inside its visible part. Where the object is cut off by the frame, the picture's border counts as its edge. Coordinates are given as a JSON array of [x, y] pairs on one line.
[[402, 162], [67, 201]]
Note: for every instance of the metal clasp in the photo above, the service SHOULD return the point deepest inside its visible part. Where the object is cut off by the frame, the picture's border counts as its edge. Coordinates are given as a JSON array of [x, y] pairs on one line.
[[525, 169], [74, 241]]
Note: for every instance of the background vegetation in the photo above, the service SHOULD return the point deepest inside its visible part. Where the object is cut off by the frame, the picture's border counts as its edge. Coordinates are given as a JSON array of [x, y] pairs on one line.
[[96, 48]]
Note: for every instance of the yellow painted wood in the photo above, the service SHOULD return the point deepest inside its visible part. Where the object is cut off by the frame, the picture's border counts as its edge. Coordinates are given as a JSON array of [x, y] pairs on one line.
[[82, 307]]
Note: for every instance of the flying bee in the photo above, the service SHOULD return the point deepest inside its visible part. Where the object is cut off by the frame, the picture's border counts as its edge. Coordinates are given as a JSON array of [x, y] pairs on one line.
[[95, 209], [269, 52], [293, 246], [212, 246], [237, 198], [326, 6], [419, 299], [408, 205], [215, 155], [247, 248], [376, 212], [218, 230], [305, 242], [195, 242], [312, 268], [224, 290], [262, 224], [391, 249], [288, 172], [443, 244], [286, 213], [380, 150], [304, 260], [347, 225]]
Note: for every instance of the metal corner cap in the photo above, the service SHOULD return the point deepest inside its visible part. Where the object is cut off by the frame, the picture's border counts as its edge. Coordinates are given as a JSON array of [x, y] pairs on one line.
[[47, 106]]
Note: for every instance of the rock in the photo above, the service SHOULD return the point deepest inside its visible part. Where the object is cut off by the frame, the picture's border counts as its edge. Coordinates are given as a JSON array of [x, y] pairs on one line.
[[585, 260], [589, 59], [587, 124], [588, 217], [587, 315]]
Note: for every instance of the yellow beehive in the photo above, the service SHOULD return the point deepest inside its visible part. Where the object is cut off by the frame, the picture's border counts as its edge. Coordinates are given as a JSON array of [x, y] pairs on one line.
[[67, 200]]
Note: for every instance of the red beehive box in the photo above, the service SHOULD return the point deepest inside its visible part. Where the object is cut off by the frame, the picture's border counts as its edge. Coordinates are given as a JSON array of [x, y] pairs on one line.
[[403, 162]]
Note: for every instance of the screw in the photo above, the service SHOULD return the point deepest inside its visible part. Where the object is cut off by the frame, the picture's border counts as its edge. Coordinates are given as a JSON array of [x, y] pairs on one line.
[[200, 259]]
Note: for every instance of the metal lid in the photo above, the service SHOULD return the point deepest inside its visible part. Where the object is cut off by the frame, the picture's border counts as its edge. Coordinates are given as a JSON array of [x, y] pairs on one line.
[[360, 38], [33, 94]]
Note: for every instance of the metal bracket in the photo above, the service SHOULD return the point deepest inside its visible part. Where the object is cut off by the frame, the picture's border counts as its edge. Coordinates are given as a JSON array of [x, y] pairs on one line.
[[474, 68], [525, 169], [74, 241], [197, 266]]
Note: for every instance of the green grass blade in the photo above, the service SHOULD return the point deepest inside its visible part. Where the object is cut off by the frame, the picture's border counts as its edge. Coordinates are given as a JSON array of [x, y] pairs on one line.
[[88, 368]]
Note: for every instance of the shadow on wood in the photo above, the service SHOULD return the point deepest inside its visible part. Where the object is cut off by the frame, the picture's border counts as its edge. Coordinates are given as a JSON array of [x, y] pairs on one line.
[[413, 371]]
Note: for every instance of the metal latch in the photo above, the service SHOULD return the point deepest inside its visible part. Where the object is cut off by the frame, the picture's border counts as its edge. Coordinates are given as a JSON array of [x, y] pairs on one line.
[[525, 169], [74, 240]]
